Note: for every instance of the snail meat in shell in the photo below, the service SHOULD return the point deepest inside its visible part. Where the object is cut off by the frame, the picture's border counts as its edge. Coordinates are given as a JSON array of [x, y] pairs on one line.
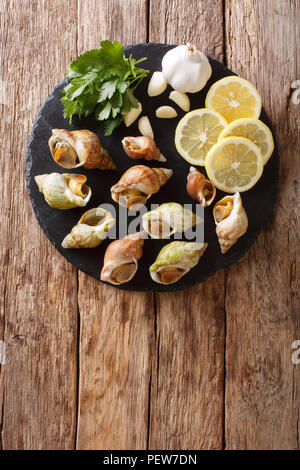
[[200, 188], [91, 229], [137, 184], [121, 259], [142, 147], [169, 218], [73, 149], [231, 221], [64, 191], [175, 260]]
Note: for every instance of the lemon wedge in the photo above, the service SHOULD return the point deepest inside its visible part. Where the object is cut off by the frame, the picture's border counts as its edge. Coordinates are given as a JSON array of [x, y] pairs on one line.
[[234, 164], [254, 130], [234, 98], [196, 133]]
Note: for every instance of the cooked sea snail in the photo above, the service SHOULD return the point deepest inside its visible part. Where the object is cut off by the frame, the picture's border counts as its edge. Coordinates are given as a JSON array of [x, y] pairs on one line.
[[137, 184], [175, 260], [200, 188], [121, 259], [64, 191], [72, 149], [142, 147], [90, 230], [169, 218], [231, 221]]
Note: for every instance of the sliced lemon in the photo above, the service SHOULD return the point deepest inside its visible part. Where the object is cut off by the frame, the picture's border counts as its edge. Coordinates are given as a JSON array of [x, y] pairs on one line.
[[254, 130], [234, 164], [234, 98], [196, 133]]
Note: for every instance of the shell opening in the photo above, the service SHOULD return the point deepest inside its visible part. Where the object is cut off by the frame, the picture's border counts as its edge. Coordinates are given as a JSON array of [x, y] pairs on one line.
[[64, 154], [92, 219], [222, 210], [132, 198], [76, 184], [170, 275], [132, 144], [123, 273], [159, 228], [208, 191]]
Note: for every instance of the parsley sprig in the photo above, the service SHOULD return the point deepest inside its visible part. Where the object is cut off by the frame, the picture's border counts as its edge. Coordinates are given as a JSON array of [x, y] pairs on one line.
[[103, 81]]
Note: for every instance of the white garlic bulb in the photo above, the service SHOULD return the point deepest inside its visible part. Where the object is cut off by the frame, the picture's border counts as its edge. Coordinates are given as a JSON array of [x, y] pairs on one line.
[[186, 69]]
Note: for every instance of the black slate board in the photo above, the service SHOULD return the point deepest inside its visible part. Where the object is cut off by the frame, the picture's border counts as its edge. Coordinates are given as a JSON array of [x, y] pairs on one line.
[[258, 202]]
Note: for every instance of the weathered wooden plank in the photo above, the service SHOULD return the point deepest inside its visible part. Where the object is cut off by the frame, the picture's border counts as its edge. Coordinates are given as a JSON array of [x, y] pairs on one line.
[[117, 330], [262, 383], [38, 287], [179, 22], [187, 382]]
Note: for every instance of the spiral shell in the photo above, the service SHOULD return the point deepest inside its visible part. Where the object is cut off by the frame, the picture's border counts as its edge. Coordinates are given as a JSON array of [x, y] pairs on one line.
[[169, 218], [72, 149], [121, 259], [175, 260], [91, 229], [137, 184], [231, 221], [200, 188], [64, 191], [142, 147]]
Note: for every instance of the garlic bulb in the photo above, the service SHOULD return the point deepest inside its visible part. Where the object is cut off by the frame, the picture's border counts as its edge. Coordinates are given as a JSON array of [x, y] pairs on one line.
[[186, 69]]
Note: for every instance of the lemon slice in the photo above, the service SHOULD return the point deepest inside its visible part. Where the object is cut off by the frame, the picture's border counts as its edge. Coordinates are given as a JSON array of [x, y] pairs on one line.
[[254, 130], [234, 164], [234, 98], [196, 133]]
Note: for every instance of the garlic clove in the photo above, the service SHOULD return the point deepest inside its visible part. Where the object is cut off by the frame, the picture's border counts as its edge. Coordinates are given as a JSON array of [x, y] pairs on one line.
[[157, 84], [166, 112], [181, 99], [132, 115], [145, 127]]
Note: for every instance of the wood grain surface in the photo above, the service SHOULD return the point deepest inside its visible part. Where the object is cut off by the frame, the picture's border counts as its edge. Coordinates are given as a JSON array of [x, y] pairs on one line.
[[262, 383], [116, 337], [187, 391], [92, 367], [38, 287]]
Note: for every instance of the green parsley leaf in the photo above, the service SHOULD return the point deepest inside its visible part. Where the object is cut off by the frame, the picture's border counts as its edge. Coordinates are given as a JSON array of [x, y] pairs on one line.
[[108, 88], [69, 108], [129, 101], [111, 124], [102, 81], [103, 112]]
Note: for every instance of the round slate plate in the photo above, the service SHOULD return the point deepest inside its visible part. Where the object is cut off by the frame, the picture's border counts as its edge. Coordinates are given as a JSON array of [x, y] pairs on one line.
[[258, 202]]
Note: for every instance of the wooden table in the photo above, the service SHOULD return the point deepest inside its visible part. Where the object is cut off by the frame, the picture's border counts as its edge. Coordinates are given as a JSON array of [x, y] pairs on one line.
[[91, 367]]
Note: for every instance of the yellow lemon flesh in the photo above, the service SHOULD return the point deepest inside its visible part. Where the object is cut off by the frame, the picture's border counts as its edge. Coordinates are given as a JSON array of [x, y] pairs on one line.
[[196, 133], [254, 130], [234, 164], [234, 98]]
